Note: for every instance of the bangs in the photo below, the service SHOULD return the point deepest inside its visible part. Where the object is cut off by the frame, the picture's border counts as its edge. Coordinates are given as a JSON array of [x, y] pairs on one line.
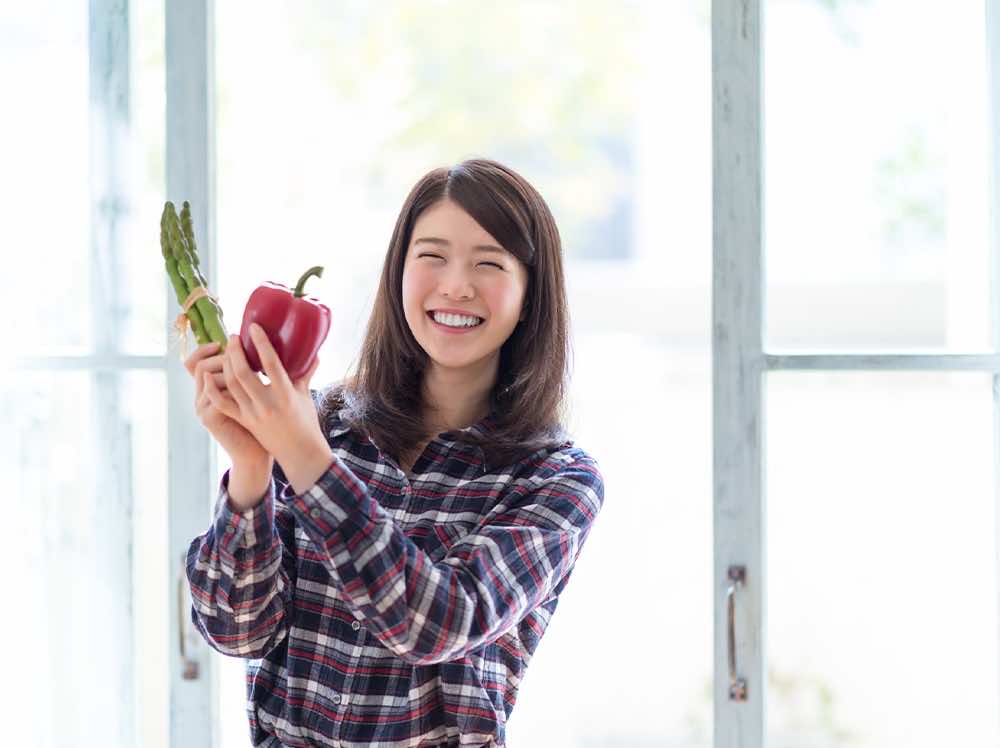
[[506, 220]]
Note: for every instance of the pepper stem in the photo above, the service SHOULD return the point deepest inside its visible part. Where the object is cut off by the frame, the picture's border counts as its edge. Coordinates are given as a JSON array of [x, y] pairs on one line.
[[317, 271]]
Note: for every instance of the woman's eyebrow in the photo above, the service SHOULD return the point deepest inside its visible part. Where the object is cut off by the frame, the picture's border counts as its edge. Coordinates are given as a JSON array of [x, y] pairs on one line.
[[446, 243]]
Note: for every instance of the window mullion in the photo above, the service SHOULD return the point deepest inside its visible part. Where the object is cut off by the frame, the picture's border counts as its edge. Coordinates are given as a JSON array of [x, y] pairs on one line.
[[885, 361], [993, 104], [107, 361], [738, 368], [190, 170], [109, 126]]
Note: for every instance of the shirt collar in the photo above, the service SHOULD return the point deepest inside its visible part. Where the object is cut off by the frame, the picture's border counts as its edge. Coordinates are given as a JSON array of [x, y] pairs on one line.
[[481, 427]]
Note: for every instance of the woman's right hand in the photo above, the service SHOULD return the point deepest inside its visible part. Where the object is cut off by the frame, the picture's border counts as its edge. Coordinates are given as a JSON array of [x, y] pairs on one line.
[[205, 365]]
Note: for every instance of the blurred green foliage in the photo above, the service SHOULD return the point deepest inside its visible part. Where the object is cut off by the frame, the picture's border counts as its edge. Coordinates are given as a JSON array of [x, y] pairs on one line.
[[550, 92], [910, 185]]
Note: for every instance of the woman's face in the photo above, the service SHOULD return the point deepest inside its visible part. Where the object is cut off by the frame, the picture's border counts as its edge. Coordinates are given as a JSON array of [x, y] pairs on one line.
[[455, 272]]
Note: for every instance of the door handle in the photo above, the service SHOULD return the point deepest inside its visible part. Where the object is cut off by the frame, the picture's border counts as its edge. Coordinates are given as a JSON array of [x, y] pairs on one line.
[[189, 667], [737, 685]]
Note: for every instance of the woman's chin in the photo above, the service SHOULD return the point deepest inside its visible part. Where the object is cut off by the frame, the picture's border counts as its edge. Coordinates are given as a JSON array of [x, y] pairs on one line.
[[449, 359], [451, 362]]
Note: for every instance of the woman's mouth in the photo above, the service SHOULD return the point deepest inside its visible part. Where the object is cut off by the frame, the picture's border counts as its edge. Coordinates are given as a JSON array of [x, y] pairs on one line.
[[456, 330]]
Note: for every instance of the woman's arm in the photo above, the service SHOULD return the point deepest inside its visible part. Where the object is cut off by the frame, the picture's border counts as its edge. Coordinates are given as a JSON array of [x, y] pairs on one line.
[[491, 579], [241, 574], [248, 485]]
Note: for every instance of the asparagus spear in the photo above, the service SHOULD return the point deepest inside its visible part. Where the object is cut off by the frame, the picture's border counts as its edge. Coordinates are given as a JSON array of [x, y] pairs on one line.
[[188, 229], [176, 246], [179, 284]]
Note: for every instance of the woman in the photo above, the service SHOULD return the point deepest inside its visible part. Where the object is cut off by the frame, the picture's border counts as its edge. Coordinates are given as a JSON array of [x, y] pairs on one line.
[[389, 552]]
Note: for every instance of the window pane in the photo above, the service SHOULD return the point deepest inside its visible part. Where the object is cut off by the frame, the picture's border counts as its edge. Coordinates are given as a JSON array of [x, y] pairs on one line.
[[45, 181], [45, 185], [144, 318], [627, 660], [882, 560], [321, 138], [877, 220], [319, 142], [84, 457], [145, 396]]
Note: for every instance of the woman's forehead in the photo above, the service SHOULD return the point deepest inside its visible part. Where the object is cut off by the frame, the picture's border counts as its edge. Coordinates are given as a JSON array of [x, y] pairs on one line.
[[447, 244], [448, 221]]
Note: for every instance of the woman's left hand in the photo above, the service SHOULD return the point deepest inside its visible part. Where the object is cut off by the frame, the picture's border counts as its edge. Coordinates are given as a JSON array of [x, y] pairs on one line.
[[282, 414]]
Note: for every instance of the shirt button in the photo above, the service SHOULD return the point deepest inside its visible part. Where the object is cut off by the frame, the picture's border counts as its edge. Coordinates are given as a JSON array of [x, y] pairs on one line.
[[356, 625], [315, 512], [230, 529], [336, 699]]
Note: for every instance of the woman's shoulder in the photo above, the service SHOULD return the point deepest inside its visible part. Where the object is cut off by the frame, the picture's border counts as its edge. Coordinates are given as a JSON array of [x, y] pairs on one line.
[[568, 476], [561, 455]]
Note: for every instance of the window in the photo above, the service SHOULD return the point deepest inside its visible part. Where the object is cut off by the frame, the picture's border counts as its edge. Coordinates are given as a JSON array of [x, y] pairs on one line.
[[784, 319]]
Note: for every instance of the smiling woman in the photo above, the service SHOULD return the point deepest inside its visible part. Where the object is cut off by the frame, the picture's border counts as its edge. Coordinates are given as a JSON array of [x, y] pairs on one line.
[[423, 516], [444, 294], [475, 240]]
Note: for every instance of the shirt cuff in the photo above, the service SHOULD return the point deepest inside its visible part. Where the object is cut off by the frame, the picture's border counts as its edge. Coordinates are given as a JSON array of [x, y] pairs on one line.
[[251, 528], [331, 503]]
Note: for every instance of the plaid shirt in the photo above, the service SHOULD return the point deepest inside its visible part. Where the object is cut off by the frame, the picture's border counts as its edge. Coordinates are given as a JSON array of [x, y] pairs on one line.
[[380, 609]]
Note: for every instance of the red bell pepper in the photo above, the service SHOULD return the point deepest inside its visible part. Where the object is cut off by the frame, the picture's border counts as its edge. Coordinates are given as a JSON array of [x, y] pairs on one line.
[[295, 324]]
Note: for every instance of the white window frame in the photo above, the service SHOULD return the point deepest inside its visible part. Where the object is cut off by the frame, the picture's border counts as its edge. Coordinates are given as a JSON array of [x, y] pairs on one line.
[[191, 470], [740, 362], [191, 174]]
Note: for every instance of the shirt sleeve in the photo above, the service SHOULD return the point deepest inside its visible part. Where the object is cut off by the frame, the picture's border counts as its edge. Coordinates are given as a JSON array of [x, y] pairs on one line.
[[428, 613], [241, 576]]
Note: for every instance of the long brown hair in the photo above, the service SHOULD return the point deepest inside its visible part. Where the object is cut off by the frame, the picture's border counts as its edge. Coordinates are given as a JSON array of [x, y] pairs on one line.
[[382, 399]]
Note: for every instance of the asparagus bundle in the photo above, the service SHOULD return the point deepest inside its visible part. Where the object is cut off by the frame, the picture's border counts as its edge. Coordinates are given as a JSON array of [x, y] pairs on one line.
[[180, 255]]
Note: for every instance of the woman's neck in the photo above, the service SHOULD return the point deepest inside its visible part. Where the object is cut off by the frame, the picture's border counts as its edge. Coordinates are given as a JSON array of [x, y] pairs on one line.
[[455, 400]]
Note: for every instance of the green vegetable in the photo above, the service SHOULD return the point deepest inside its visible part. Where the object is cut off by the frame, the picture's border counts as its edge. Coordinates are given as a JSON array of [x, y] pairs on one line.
[[180, 255]]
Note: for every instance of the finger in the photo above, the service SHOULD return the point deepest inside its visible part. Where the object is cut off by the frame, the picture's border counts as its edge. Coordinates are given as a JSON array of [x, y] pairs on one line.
[[198, 354], [236, 389], [303, 381], [255, 390], [204, 405], [222, 402], [203, 402], [218, 377], [207, 365], [200, 389], [273, 367]]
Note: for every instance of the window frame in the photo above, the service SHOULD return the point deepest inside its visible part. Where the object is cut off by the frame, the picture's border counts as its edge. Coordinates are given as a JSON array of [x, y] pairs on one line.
[[740, 362], [191, 175]]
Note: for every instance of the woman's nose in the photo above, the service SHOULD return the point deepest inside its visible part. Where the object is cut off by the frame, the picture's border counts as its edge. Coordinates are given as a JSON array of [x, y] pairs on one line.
[[456, 284]]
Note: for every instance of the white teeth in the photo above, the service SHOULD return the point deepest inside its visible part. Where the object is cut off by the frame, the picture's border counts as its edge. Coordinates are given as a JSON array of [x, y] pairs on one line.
[[456, 320]]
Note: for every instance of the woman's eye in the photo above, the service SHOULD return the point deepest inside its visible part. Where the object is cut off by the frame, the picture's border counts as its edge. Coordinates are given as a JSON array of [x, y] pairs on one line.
[[431, 254]]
